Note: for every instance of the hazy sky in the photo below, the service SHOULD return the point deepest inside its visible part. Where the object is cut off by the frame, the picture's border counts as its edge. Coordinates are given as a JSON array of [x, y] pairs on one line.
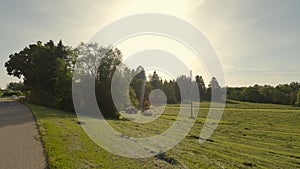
[[258, 41]]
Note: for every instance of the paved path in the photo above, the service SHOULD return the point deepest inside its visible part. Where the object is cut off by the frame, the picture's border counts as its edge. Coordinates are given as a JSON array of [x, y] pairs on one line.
[[19, 145]]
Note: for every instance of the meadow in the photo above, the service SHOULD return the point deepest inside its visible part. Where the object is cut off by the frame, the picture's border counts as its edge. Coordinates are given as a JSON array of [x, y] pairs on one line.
[[249, 135]]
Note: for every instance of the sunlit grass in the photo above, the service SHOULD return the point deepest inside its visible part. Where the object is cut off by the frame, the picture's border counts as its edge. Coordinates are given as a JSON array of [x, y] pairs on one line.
[[249, 135]]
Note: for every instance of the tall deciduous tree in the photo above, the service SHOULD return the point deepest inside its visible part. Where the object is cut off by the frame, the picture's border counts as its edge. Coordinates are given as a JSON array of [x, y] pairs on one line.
[[45, 69], [101, 63]]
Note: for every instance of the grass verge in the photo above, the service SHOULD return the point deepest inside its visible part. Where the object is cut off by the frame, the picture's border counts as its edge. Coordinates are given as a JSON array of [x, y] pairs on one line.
[[249, 136]]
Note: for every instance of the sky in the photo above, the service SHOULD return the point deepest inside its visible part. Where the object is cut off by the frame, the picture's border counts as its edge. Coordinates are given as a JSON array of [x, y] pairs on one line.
[[258, 42]]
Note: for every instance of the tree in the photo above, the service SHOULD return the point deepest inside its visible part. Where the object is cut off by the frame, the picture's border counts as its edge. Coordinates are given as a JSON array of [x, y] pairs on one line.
[[184, 84], [201, 86], [281, 94], [177, 92], [16, 86], [214, 87], [133, 98], [252, 94], [298, 99], [100, 63], [214, 84], [155, 81], [169, 90], [295, 86], [108, 66], [140, 73], [8, 93], [44, 69], [138, 84]]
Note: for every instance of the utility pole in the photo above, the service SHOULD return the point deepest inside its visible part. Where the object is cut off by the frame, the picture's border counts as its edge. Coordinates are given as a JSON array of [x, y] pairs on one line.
[[191, 93]]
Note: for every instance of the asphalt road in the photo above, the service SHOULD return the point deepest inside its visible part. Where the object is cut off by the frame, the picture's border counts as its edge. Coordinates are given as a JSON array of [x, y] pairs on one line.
[[20, 147]]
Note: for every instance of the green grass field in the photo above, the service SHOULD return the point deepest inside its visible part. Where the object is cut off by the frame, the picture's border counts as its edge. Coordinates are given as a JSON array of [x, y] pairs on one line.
[[248, 136]]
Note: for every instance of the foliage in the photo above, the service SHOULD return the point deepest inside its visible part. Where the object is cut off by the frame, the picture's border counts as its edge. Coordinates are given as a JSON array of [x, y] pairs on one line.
[[16, 86], [101, 63], [46, 70], [281, 94], [8, 93], [175, 91], [201, 87], [298, 99], [155, 81], [215, 88], [214, 84], [133, 98], [169, 90], [138, 84]]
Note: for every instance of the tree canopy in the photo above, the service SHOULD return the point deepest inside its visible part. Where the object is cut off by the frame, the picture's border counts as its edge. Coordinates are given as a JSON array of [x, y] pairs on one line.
[[46, 70]]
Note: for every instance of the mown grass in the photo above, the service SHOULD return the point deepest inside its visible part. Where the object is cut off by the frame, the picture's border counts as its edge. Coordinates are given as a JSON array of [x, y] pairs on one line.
[[249, 136]]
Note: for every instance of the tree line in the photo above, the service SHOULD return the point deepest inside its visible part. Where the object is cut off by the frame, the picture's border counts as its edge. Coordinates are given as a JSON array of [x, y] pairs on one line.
[[105, 62], [287, 94], [47, 71], [173, 92]]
